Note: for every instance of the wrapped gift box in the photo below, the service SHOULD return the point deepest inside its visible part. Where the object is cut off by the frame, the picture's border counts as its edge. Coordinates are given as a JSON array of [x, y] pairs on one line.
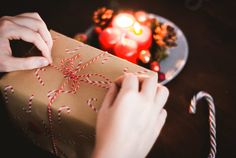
[[56, 106]]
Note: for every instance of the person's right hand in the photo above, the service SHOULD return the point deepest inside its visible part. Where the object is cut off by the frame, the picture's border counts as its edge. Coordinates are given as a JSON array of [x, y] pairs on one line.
[[30, 28], [131, 118]]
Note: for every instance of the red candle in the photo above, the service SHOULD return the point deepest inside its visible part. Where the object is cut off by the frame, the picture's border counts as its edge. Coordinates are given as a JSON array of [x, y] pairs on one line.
[[141, 16], [142, 35], [109, 37], [127, 49]]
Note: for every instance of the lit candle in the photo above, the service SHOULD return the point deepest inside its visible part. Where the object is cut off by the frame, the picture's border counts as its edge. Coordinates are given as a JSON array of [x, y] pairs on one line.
[[123, 21], [142, 35], [141, 16], [109, 37], [127, 49], [126, 37]]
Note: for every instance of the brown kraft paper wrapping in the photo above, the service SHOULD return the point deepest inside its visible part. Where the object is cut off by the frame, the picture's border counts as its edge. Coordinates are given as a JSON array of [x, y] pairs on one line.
[[57, 106]]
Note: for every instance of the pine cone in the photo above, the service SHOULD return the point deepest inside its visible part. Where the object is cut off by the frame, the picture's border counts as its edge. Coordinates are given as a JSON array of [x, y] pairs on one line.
[[164, 36], [102, 17]]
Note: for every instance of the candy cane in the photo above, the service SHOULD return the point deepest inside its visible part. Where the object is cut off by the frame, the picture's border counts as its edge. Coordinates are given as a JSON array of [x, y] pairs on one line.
[[62, 108], [125, 70], [212, 120], [69, 51], [38, 76], [6, 89], [105, 59], [89, 103], [29, 104], [141, 72]]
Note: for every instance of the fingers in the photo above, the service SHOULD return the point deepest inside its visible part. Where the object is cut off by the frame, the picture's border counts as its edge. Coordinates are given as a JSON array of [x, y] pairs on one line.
[[13, 64], [35, 25], [161, 96], [33, 22], [132, 82], [110, 96], [161, 121], [148, 87], [17, 32], [32, 15], [128, 82], [45, 30]]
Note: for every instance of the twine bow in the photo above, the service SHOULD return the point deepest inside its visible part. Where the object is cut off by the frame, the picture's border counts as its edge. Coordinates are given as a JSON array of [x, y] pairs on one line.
[[73, 79]]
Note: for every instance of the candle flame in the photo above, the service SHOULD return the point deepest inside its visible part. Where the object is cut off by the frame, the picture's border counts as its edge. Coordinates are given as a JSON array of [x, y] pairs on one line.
[[124, 20], [137, 28]]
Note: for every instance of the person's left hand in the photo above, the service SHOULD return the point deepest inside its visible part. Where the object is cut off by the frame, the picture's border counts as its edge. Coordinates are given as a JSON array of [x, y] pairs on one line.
[[28, 27]]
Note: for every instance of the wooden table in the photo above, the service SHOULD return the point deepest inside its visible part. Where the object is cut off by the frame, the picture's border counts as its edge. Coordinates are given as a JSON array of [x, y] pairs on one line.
[[211, 33]]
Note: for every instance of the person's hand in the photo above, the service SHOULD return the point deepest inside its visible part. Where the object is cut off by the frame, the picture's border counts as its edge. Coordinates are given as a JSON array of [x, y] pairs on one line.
[[131, 118], [30, 28]]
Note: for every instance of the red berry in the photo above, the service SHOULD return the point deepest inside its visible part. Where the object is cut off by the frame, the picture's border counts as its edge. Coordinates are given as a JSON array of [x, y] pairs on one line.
[[155, 66], [161, 76], [98, 29], [145, 56], [81, 37]]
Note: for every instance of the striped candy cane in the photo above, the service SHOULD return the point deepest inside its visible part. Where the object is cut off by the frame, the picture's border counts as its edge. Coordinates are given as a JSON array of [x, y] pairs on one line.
[[6, 89], [141, 72], [106, 58], [62, 108], [38, 76], [89, 103], [212, 120], [29, 104], [125, 70], [74, 50]]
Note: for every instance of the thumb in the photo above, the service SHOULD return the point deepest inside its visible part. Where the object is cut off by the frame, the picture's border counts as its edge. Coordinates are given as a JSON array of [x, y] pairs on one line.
[[13, 63]]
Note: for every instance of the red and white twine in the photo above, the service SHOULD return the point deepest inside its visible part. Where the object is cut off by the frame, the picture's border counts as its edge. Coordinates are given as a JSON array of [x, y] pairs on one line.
[[105, 59], [73, 79], [89, 103], [6, 90], [38, 76], [74, 50], [125, 70], [29, 104], [141, 72], [212, 120], [60, 110]]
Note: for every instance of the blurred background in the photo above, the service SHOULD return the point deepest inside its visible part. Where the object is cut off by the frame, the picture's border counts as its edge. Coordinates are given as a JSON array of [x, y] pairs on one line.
[[210, 28]]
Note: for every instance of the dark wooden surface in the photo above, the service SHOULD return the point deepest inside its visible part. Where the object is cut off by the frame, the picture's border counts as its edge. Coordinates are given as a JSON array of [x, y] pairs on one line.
[[211, 33]]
